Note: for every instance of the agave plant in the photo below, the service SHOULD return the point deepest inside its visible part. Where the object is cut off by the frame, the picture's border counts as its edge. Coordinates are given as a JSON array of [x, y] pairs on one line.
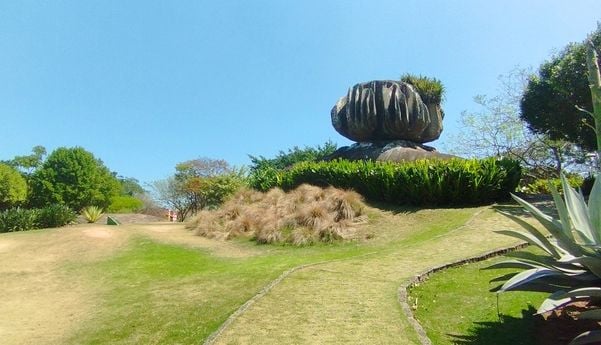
[[571, 270], [92, 213]]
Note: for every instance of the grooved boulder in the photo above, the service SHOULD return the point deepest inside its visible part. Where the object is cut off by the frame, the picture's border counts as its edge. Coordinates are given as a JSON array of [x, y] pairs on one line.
[[383, 110]]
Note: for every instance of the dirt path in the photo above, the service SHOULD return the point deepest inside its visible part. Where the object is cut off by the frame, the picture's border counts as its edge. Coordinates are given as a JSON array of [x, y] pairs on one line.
[[355, 301]]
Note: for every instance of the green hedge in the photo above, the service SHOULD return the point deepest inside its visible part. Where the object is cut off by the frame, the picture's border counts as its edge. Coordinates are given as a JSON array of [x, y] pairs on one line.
[[125, 204], [422, 183], [19, 219]]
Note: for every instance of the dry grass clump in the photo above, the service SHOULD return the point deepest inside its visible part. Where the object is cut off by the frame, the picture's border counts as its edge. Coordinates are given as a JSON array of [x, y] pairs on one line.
[[303, 216]]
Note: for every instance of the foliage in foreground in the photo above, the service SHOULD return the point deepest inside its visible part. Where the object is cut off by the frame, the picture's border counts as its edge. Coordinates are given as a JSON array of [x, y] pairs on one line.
[[571, 270], [19, 219], [452, 182], [303, 216]]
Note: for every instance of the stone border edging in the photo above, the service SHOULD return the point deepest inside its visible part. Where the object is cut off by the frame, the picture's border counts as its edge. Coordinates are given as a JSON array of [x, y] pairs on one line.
[[422, 277]]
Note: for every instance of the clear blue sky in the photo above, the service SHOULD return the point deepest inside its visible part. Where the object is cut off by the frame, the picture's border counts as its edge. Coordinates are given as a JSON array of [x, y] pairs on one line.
[[147, 84]]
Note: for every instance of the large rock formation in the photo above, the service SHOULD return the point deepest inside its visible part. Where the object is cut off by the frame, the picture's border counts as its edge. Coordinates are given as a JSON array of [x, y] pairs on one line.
[[390, 122], [395, 151], [383, 110]]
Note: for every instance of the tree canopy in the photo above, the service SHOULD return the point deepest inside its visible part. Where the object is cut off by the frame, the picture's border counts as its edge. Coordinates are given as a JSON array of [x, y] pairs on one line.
[[13, 187], [551, 97], [75, 178]]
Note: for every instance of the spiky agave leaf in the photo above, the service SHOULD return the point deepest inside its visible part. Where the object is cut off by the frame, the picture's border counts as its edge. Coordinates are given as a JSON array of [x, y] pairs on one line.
[[562, 235], [578, 214], [594, 206], [586, 338], [561, 298], [528, 276]]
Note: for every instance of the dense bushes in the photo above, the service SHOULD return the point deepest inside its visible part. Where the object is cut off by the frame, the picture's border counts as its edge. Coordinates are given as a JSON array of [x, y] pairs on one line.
[[541, 186], [18, 219], [125, 204], [452, 182]]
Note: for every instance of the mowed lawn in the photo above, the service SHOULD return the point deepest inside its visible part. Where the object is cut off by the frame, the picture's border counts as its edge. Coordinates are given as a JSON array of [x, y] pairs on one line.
[[159, 284]]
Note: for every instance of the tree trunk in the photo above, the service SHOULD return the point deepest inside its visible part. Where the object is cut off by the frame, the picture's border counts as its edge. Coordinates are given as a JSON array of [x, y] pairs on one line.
[[594, 78]]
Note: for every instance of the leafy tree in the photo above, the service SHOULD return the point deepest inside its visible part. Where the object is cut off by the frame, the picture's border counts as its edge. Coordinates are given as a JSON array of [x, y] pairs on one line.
[[130, 186], [294, 155], [550, 101], [13, 187], [28, 163], [497, 130], [198, 184], [75, 178]]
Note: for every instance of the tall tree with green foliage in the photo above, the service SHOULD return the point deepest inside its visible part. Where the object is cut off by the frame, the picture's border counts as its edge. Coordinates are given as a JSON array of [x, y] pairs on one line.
[[286, 159], [75, 178], [13, 187], [549, 104], [198, 184], [27, 164]]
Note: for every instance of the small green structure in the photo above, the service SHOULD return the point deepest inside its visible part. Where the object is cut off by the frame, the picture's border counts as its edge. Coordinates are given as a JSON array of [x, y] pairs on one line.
[[112, 221]]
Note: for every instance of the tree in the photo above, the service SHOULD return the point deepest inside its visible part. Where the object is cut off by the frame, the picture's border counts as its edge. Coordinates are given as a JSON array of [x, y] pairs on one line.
[[13, 187], [294, 155], [198, 184], [497, 130], [550, 101], [27, 164], [75, 178]]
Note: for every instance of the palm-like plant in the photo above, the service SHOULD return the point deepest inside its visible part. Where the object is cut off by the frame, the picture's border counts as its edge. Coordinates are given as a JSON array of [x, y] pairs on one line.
[[92, 213], [572, 269]]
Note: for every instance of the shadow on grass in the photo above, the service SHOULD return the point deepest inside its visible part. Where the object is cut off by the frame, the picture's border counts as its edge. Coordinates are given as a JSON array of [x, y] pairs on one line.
[[394, 209], [507, 331]]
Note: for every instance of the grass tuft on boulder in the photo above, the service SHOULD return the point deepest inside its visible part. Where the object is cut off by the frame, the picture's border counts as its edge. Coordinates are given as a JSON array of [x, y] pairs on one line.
[[303, 216]]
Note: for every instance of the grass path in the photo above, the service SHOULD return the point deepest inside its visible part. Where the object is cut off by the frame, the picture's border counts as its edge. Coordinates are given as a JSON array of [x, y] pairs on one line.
[[158, 284], [355, 300]]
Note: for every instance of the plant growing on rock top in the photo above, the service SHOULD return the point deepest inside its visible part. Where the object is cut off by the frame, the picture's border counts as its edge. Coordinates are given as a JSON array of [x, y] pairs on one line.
[[430, 89]]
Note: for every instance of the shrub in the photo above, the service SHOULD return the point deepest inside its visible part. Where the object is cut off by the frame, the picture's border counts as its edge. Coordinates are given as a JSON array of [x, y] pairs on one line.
[[92, 213], [432, 183], [55, 216], [430, 89], [18, 219], [304, 216], [541, 186], [125, 204]]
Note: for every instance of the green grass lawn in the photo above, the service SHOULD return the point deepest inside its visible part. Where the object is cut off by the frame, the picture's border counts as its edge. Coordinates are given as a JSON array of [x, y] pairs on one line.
[[455, 306], [158, 284]]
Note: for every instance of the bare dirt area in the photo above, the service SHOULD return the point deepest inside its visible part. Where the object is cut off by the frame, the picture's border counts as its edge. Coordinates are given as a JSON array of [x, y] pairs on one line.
[[40, 303]]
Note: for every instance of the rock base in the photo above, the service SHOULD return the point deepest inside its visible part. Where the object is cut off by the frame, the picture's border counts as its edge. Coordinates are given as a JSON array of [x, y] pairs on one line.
[[394, 151]]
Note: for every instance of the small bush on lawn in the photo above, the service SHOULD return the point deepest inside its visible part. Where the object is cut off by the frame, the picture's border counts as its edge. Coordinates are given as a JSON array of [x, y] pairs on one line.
[[18, 219], [303, 216], [55, 216], [452, 182], [92, 213], [125, 204]]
